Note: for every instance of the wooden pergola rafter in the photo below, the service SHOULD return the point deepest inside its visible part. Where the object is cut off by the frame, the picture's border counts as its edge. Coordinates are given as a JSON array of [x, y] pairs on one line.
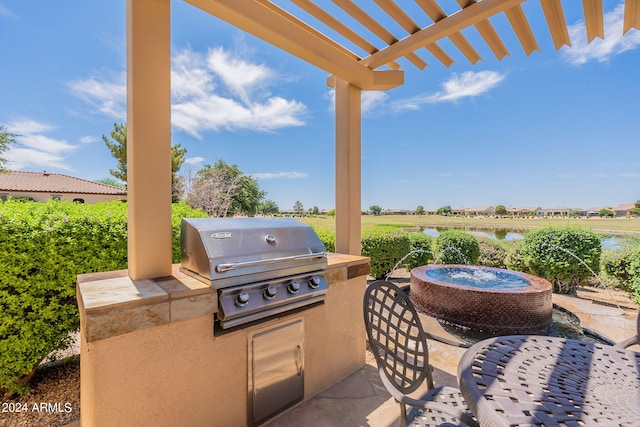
[[341, 37]]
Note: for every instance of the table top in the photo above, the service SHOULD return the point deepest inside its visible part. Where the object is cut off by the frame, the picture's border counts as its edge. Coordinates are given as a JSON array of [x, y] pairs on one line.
[[546, 381]]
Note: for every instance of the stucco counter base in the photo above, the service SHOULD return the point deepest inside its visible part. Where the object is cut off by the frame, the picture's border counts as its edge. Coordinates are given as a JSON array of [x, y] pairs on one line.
[[149, 356]]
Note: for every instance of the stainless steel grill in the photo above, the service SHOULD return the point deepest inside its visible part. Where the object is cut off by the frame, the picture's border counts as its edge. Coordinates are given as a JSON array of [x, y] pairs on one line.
[[260, 267]]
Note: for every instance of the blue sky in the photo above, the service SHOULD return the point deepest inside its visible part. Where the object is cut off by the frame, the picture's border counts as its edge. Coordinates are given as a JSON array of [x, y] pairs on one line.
[[555, 128]]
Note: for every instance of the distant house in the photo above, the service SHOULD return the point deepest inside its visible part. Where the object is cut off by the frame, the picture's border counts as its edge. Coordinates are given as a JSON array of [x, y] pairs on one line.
[[592, 211], [397, 212], [480, 210], [525, 211], [43, 186], [557, 211], [623, 209]]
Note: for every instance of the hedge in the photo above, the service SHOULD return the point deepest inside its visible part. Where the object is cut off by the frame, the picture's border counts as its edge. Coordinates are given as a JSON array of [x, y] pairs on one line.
[[386, 246], [327, 237], [624, 267], [456, 247], [44, 246], [566, 257], [492, 254], [420, 250]]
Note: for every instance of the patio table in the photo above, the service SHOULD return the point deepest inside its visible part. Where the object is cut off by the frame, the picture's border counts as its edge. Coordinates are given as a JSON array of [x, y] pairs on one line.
[[529, 380]]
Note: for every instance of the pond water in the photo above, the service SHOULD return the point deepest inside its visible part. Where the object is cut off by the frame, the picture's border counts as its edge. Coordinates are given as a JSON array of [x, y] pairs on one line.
[[492, 233], [608, 242]]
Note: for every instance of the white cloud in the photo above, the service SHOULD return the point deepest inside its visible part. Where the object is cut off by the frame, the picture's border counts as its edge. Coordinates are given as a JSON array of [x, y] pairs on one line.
[[88, 139], [33, 149], [209, 93], [28, 127], [240, 76], [107, 94], [278, 175], [600, 50], [369, 103], [457, 87], [194, 160]]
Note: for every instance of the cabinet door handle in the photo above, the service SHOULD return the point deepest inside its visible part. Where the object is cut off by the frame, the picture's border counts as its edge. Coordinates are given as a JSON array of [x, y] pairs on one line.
[[299, 360]]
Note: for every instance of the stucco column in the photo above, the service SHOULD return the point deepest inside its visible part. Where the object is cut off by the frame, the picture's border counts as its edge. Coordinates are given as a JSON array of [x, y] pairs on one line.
[[348, 167], [149, 138]]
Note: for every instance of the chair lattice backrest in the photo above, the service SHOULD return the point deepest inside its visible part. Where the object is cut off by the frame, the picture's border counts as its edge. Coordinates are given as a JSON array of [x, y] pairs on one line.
[[395, 334]]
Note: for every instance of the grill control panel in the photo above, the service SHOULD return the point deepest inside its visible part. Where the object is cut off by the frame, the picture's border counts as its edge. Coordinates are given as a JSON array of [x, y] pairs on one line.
[[247, 303]]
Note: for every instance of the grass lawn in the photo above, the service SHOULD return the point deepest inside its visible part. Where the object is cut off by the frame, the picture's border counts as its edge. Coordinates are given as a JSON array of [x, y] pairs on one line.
[[597, 225]]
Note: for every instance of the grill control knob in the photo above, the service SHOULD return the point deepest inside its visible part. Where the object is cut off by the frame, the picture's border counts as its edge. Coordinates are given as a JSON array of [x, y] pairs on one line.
[[270, 292], [315, 282], [242, 299], [293, 287]]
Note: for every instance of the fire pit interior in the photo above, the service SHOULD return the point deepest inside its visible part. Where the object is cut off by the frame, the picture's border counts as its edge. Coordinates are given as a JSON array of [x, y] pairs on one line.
[[486, 301]]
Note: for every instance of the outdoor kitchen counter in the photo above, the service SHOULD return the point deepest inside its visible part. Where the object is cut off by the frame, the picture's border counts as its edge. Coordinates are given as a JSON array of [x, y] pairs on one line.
[[112, 304], [149, 355]]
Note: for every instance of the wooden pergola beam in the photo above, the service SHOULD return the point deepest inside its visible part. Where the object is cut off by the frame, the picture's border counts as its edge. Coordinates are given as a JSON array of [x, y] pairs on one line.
[[454, 23], [593, 19], [286, 32], [631, 15]]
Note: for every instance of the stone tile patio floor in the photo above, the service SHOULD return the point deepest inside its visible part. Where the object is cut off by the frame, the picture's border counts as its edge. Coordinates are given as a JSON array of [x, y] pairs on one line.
[[361, 400]]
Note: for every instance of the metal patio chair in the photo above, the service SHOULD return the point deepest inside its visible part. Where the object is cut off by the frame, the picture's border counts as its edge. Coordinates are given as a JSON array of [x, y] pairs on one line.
[[632, 340], [399, 345]]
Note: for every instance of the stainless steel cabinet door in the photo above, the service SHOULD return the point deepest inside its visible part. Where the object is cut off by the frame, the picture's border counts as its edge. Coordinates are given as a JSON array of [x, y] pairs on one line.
[[277, 370]]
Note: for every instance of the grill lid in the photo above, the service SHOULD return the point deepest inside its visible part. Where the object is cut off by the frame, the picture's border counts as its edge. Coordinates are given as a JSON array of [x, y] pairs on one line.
[[229, 251]]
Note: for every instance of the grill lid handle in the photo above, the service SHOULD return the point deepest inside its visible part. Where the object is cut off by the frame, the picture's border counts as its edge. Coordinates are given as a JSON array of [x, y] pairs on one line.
[[221, 268]]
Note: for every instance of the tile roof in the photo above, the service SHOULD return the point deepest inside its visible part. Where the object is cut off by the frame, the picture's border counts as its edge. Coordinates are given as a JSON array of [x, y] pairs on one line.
[[479, 208], [45, 182], [624, 207]]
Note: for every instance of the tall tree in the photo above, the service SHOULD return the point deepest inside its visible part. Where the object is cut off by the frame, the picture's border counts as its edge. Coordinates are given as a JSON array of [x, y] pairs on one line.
[[6, 139], [501, 210], [375, 209], [117, 144], [248, 196], [298, 207], [110, 181], [118, 147], [177, 182], [211, 190], [444, 210], [224, 190], [268, 207]]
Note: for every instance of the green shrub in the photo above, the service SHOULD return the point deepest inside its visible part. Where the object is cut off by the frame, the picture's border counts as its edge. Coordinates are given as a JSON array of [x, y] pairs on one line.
[[615, 263], [492, 254], [385, 246], [566, 257], [456, 247], [624, 267], [634, 273], [327, 237], [514, 260], [43, 247], [179, 211], [420, 249]]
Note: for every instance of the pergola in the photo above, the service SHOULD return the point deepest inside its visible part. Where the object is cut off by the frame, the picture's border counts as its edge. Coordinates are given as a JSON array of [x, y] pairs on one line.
[[341, 37]]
